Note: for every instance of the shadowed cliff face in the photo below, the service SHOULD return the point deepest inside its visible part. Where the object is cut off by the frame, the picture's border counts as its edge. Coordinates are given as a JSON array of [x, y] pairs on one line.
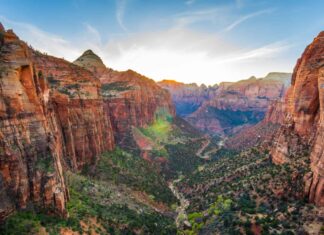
[[229, 107], [302, 127], [188, 98]]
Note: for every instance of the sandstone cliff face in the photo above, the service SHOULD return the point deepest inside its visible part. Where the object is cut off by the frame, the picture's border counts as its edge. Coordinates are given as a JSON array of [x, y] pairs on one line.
[[188, 98], [31, 151], [52, 118], [131, 99], [75, 97], [302, 127], [239, 105]]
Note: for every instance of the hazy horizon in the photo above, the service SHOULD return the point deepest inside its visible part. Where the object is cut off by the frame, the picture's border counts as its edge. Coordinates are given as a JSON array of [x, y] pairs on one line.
[[190, 41]]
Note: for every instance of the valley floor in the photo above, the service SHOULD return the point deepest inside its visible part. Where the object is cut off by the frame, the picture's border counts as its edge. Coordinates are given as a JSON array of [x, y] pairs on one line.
[[204, 189]]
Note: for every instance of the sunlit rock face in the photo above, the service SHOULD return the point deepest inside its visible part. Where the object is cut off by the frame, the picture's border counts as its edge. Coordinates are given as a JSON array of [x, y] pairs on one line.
[[31, 142], [57, 115], [52, 118], [302, 127], [229, 107], [75, 96], [130, 99]]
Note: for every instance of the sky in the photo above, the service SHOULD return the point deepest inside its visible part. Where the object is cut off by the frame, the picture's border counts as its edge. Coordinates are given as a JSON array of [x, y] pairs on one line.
[[201, 41]]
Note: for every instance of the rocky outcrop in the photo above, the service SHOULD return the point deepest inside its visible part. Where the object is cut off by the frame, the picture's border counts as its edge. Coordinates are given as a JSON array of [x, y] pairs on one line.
[[302, 127], [240, 104], [131, 99], [74, 94], [52, 118], [57, 115], [187, 98], [31, 150], [92, 62]]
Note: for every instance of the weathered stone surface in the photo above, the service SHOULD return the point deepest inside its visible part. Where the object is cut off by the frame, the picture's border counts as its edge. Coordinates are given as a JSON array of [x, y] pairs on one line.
[[30, 156], [52, 118], [131, 99], [75, 97], [302, 126], [92, 62]]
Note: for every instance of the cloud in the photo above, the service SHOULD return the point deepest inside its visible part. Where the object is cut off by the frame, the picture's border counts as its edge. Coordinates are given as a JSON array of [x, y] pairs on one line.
[[190, 2], [43, 41], [190, 56], [177, 53], [120, 11], [239, 3], [246, 17], [267, 51], [190, 17]]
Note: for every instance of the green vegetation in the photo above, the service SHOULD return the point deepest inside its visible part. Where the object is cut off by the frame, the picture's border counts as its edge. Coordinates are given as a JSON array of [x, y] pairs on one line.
[[260, 195], [214, 212], [93, 199], [117, 86], [158, 131], [123, 168], [182, 158], [45, 163]]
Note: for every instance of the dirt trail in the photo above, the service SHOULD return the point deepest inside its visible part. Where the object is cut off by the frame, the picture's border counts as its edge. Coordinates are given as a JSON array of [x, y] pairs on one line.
[[182, 217]]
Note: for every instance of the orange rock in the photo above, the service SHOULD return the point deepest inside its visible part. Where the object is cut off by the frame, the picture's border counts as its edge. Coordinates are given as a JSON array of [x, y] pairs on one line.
[[130, 99], [304, 115]]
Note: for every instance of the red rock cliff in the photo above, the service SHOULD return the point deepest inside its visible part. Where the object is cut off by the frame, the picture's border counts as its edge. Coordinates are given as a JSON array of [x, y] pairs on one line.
[[75, 97], [130, 99], [52, 117], [30, 149], [302, 127]]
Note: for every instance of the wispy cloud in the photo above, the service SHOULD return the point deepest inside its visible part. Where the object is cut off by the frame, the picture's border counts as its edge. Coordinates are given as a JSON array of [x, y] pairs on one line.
[[267, 51], [246, 17], [189, 2], [239, 3], [190, 17], [42, 40], [205, 57], [120, 11], [94, 32]]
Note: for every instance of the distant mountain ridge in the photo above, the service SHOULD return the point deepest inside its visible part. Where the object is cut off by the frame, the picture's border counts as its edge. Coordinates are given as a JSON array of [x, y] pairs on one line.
[[226, 108]]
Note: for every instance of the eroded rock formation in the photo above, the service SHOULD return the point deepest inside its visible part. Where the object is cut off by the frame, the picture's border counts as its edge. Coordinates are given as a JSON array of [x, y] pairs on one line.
[[57, 115], [31, 150], [130, 99], [229, 107], [302, 127]]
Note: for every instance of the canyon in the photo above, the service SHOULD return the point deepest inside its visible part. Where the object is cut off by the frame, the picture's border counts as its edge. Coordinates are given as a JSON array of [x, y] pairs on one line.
[[227, 108], [56, 115], [94, 147]]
